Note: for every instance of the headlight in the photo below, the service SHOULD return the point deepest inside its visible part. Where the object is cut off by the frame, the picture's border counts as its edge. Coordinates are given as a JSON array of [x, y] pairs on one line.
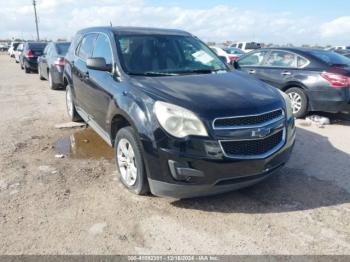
[[178, 121], [288, 104]]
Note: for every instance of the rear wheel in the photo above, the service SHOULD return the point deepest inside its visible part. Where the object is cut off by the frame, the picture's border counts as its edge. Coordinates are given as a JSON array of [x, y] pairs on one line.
[[39, 73], [129, 161], [299, 101], [52, 85], [26, 70], [72, 112]]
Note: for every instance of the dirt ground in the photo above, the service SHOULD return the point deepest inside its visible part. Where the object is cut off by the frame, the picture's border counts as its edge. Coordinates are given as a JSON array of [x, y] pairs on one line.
[[75, 205]]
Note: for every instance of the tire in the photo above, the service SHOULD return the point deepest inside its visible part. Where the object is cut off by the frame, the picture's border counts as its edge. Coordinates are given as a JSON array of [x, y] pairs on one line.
[[21, 65], [129, 162], [299, 101], [52, 85], [39, 73], [26, 70], [72, 112]]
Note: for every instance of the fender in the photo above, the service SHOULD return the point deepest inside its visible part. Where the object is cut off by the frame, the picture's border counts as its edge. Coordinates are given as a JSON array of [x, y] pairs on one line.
[[132, 107]]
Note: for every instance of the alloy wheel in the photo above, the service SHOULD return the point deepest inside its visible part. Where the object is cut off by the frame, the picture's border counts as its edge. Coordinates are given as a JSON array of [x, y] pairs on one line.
[[126, 162], [296, 101]]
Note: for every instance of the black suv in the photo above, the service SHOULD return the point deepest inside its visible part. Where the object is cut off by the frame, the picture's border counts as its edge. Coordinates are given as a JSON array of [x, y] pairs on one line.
[[182, 124]]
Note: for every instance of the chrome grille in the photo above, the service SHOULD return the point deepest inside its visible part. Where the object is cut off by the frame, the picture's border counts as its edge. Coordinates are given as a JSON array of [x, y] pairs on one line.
[[253, 136], [252, 120]]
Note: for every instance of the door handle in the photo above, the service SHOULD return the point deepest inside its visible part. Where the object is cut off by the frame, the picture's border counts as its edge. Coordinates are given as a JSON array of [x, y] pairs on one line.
[[286, 73], [251, 71]]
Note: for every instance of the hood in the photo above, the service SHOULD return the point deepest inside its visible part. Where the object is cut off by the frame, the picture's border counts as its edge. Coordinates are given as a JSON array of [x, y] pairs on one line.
[[214, 95]]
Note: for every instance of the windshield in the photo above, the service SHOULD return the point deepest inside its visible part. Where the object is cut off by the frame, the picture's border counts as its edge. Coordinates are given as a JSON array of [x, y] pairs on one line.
[[166, 55], [330, 57], [62, 48], [233, 51], [37, 46]]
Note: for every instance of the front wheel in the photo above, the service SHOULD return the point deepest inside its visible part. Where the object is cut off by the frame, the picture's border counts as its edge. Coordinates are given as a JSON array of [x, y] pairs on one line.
[[129, 161], [72, 112], [299, 101]]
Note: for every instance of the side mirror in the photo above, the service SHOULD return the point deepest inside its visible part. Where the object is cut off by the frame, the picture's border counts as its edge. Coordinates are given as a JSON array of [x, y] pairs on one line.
[[98, 63]]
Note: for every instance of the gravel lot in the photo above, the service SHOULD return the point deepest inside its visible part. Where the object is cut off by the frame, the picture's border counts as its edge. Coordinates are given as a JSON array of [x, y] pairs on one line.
[[75, 205]]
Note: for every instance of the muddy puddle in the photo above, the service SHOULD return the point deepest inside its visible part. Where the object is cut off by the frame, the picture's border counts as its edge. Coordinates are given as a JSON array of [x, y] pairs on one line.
[[84, 144]]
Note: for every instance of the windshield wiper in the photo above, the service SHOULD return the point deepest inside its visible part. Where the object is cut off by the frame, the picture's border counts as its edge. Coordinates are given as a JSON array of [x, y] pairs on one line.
[[200, 71], [153, 74]]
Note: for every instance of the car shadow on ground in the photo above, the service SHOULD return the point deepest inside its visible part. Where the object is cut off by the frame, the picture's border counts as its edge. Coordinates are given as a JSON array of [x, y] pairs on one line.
[[310, 180]]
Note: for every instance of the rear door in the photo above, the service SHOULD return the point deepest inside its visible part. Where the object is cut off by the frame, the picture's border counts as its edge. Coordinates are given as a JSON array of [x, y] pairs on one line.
[[80, 72], [279, 68], [252, 62], [42, 60]]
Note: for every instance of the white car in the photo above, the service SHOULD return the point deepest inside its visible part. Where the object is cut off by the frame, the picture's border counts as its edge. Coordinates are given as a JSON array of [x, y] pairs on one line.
[[12, 48], [247, 46], [220, 52], [18, 51]]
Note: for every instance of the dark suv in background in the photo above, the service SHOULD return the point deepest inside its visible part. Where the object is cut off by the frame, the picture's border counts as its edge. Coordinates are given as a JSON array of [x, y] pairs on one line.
[[51, 63], [29, 56], [181, 122], [314, 79]]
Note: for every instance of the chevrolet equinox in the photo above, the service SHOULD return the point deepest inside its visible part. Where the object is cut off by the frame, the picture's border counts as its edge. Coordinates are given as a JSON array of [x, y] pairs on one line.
[[181, 122]]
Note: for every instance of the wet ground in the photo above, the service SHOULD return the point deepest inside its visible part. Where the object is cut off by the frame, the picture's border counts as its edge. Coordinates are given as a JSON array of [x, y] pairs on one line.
[[76, 205], [84, 144]]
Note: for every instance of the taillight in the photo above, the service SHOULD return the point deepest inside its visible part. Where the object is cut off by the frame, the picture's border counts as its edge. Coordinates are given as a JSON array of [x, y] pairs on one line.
[[29, 53], [233, 58], [336, 80], [59, 61]]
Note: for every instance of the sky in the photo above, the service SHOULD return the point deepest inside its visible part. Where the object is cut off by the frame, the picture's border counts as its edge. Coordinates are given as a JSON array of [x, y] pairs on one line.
[[268, 21]]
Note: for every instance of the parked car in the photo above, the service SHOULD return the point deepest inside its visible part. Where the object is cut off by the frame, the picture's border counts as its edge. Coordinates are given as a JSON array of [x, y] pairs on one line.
[[29, 56], [12, 48], [3, 47], [221, 53], [181, 122], [233, 53], [246, 47], [314, 79], [51, 63], [18, 52]]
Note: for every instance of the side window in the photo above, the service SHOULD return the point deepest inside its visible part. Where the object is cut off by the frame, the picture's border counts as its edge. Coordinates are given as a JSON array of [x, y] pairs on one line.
[[103, 49], [46, 50], [86, 46], [254, 59], [281, 59], [301, 62], [240, 45]]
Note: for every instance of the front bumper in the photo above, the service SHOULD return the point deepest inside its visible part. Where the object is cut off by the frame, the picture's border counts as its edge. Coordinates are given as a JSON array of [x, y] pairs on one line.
[[210, 172]]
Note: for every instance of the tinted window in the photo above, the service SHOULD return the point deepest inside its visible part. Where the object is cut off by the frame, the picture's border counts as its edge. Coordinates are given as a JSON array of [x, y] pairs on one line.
[[86, 46], [37, 46], [281, 59], [234, 51], [330, 58], [301, 62], [254, 59], [240, 45], [252, 46], [62, 48], [176, 54], [103, 49]]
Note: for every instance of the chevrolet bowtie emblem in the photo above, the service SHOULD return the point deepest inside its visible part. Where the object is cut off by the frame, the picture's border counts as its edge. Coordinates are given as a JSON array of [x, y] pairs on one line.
[[261, 132]]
